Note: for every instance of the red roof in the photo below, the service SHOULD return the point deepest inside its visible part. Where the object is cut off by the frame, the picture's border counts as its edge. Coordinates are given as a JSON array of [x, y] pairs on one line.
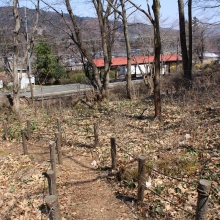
[[122, 61]]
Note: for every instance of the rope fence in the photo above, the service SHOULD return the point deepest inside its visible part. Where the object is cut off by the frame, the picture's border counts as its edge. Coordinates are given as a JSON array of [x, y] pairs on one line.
[[204, 187]]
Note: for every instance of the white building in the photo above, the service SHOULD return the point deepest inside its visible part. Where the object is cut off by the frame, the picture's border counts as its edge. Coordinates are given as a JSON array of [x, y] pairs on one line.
[[138, 69], [23, 77]]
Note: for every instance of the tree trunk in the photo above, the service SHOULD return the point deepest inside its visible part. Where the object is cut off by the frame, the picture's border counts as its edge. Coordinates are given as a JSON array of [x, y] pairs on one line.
[[190, 35], [128, 47], [76, 36], [157, 51], [16, 81], [187, 72], [107, 36]]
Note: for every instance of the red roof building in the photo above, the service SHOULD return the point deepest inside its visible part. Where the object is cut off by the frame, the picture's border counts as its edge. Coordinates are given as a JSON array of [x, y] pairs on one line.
[[122, 61]]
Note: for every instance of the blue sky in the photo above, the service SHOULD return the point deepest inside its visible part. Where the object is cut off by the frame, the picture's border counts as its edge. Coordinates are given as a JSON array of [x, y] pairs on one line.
[[169, 8]]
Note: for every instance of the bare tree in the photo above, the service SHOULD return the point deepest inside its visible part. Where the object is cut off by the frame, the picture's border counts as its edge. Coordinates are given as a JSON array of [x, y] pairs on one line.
[[29, 35], [75, 33], [209, 10], [187, 64], [107, 30], [16, 84], [123, 14], [20, 47], [157, 50]]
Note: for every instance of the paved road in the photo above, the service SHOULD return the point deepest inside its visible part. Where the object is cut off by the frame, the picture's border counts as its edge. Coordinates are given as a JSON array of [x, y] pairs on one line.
[[49, 91], [57, 90]]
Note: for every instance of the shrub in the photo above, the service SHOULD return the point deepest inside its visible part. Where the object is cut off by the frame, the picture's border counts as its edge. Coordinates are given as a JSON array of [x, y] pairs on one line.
[[172, 67], [75, 77], [197, 66]]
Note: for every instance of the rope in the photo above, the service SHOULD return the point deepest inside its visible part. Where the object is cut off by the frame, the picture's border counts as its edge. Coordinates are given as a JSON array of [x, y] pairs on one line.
[[134, 157], [170, 202], [203, 193], [174, 178]]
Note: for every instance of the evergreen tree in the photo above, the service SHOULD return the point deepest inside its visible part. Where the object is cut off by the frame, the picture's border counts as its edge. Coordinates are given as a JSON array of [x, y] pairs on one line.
[[46, 63]]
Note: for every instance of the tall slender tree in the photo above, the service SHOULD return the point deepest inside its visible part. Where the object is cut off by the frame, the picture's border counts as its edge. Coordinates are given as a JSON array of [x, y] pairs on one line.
[[186, 57], [155, 21], [123, 14], [16, 84], [74, 32], [23, 41], [107, 30]]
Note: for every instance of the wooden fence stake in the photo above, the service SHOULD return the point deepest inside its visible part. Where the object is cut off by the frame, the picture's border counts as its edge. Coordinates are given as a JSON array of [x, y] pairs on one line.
[[113, 153], [50, 175], [59, 125], [141, 177], [29, 129], [53, 207], [5, 128], [35, 110], [203, 189], [96, 141], [59, 130], [47, 108], [58, 146], [8, 114], [53, 156], [24, 144]]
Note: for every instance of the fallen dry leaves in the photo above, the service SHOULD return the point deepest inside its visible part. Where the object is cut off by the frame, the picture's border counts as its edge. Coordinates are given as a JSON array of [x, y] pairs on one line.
[[181, 149]]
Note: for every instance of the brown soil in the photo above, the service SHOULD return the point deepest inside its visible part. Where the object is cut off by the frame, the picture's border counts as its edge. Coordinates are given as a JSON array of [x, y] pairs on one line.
[[84, 192]]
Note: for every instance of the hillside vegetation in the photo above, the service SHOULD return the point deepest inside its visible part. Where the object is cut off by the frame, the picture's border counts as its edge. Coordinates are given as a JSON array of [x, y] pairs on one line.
[[180, 150]]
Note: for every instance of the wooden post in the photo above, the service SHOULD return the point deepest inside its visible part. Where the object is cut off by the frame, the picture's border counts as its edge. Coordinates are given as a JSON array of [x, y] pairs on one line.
[[24, 144], [59, 130], [35, 109], [60, 105], [8, 114], [53, 207], [203, 189], [113, 153], [53, 156], [47, 108], [96, 141], [5, 128], [29, 129], [50, 175], [59, 125], [141, 177], [58, 146]]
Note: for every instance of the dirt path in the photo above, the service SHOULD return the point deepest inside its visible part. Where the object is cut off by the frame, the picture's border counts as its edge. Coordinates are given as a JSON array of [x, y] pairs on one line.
[[83, 192], [92, 196]]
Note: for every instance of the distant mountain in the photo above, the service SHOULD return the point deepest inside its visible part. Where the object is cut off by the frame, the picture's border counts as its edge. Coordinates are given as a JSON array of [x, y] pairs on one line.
[[52, 27]]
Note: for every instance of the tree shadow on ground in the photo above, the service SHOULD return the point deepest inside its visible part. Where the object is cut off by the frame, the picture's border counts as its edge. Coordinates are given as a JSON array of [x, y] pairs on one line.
[[80, 163], [126, 199], [82, 145]]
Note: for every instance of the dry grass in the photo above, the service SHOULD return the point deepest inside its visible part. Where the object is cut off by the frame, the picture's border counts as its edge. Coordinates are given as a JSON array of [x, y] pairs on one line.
[[181, 149]]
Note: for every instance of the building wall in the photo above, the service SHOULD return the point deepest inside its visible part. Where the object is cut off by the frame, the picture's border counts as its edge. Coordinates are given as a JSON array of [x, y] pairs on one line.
[[25, 80], [135, 69]]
